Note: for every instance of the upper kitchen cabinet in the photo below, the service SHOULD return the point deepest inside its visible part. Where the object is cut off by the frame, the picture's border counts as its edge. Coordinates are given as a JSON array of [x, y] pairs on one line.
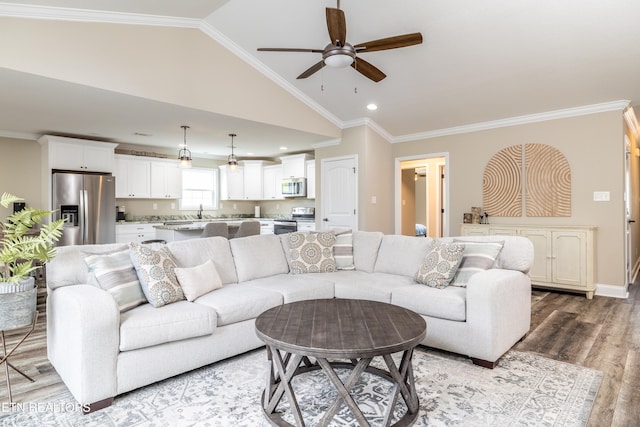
[[253, 179], [271, 182], [295, 166], [77, 154], [231, 183], [133, 177], [166, 180], [311, 179]]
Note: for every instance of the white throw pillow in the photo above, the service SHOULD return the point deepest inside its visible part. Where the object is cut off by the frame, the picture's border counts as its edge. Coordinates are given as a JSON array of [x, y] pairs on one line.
[[343, 251], [199, 280]]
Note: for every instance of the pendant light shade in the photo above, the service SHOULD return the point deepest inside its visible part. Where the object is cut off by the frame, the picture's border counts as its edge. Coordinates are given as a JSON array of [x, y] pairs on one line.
[[232, 160], [184, 155]]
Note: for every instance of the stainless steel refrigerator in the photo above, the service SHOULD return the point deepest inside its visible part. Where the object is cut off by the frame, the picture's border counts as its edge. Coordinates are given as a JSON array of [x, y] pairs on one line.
[[88, 204]]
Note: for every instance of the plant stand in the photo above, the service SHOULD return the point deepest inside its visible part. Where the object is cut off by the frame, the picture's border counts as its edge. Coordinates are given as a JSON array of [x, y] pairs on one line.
[[5, 357]]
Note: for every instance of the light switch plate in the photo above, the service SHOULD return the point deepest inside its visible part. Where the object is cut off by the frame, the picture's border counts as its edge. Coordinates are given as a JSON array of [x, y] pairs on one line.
[[601, 196]]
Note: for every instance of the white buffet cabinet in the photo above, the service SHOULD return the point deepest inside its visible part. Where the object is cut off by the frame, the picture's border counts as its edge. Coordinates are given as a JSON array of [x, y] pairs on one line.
[[564, 256]]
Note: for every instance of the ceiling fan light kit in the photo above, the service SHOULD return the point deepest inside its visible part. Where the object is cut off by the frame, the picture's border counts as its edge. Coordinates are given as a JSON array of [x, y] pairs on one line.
[[339, 54], [184, 155]]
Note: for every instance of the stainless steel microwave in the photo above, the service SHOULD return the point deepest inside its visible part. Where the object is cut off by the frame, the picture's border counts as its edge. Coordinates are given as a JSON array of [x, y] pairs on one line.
[[294, 187]]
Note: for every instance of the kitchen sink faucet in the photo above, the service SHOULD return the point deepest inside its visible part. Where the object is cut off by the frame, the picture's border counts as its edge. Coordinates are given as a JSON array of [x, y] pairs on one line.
[[200, 212]]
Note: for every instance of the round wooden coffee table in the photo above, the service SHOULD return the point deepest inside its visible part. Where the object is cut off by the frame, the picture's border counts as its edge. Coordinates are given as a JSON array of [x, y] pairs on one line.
[[351, 331]]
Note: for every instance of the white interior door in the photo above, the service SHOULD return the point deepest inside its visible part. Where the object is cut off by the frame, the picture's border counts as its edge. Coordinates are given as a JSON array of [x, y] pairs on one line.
[[339, 193]]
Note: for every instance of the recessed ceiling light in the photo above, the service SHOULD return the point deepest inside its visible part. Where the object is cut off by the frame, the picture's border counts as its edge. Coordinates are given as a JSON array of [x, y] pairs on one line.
[[283, 148], [372, 107]]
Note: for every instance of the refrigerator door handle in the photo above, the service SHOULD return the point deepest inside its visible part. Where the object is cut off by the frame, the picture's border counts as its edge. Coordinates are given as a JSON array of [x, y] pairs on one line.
[[83, 216]]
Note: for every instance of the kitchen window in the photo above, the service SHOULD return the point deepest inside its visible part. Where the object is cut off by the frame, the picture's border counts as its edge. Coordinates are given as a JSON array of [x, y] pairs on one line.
[[199, 187]]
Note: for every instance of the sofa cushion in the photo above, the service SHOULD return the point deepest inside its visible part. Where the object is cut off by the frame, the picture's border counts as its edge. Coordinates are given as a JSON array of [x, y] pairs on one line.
[[365, 249], [116, 274], [68, 266], [311, 252], [238, 301], [343, 251], [440, 264], [146, 326], [192, 252], [477, 256], [361, 285], [294, 287], [197, 281], [448, 303], [258, 256], [156, 273], [401, 254]]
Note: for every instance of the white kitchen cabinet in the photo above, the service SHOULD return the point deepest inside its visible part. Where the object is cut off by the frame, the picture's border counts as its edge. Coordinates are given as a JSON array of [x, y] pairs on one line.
[[311, 179], [78, 154], [266, 226], [126, 233], [306, 226], [564, 257], [231, 183], [272, 182], [253, 179], [295, 166], [166, 180], [133, 177]]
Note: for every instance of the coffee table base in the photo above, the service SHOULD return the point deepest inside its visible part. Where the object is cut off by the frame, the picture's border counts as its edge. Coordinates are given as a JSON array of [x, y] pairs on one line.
[[284, 369]]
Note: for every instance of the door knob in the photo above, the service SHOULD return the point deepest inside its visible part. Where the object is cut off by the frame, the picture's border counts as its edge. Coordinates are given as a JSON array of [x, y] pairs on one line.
[[325, 219]]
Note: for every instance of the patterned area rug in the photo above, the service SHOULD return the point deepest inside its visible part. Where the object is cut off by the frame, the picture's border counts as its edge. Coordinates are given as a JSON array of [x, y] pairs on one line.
[[523, 390]]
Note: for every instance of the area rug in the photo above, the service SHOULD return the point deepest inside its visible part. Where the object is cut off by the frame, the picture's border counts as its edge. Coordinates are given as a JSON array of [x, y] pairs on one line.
[[523, 390]]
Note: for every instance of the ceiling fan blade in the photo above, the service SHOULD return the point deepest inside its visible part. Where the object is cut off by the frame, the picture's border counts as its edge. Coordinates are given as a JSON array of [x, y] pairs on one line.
[[337, 26], [315, 67], [287, 49], [368, 70], [389, 43]]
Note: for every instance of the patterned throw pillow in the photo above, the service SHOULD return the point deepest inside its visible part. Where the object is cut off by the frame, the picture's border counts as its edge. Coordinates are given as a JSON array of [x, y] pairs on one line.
[[156, 272], [477, 256], [440, 264], [199, 280], [115, 273], [311, 252], [343, 251]]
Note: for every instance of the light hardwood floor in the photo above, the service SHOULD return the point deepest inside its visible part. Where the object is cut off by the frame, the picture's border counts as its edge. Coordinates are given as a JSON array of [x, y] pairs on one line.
[[602, 333]]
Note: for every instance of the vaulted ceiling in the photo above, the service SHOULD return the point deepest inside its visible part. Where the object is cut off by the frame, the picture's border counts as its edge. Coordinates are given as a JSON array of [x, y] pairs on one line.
[[480, 62]]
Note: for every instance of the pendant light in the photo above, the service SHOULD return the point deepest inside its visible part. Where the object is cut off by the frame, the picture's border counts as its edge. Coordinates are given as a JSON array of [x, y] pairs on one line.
[[184, 155], [232, 160]]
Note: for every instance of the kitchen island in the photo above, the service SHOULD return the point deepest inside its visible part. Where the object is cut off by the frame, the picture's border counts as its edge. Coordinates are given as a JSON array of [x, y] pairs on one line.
[[190, 230]]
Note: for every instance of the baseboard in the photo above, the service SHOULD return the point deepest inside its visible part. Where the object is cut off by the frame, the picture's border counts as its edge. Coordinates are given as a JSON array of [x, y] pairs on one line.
[[612, 291]]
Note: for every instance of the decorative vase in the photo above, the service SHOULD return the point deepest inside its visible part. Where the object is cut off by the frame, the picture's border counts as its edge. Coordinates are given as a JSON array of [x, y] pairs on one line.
[[17, 304]]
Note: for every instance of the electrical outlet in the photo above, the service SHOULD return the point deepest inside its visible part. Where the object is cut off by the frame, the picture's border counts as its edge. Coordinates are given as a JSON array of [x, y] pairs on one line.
[[374, 200], [601, 196], [155, 206], [173, 205], [235, 206], [277, 206]]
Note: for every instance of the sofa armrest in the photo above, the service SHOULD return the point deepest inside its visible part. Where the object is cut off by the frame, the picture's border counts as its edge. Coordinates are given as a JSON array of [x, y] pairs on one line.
[[498, 311], [82, 340]]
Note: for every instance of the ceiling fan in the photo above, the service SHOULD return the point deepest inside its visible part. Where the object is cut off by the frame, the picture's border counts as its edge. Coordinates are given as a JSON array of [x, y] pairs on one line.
[[339, 53]]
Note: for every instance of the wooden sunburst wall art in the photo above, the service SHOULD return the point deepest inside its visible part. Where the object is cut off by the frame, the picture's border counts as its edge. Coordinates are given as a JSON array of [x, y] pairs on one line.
[[502, 184], [546, 176]]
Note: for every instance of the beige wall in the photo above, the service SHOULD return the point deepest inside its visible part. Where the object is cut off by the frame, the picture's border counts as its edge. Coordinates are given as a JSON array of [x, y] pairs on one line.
[[375, 166], [593, 145], [20, 171], [180, 66]]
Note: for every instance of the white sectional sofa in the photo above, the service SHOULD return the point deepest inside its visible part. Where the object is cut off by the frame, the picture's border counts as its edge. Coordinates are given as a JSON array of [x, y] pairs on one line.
[[100, 352]]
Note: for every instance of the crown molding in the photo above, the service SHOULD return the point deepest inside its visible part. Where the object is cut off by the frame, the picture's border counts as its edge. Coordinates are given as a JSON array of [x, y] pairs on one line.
[[19, 135], [85, 15], [366, 121], [329, 143], [234, 48], [520, 120]]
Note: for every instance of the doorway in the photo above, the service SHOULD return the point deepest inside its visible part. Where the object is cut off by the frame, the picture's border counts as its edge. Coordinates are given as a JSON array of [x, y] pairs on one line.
[[421, 196]]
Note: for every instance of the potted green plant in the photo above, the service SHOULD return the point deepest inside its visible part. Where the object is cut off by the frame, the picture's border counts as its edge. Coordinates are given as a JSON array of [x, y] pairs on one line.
[[21, 245]]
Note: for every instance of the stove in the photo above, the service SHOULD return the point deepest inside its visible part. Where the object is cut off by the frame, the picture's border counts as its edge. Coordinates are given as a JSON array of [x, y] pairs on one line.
[[289, 225]]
